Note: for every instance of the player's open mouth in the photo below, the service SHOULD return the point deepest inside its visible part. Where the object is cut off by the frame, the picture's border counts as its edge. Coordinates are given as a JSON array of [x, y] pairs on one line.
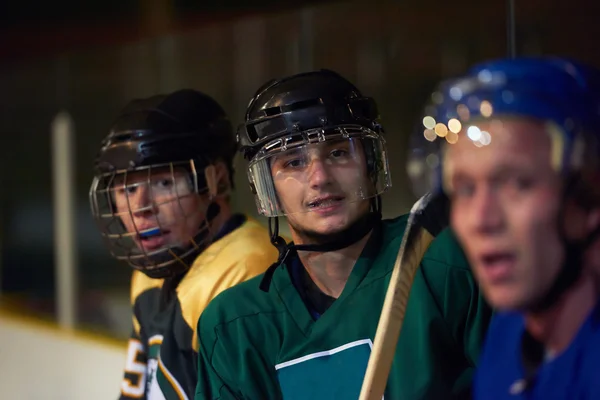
[[325, 202], [152, 238], [150, 233], [498, 265]]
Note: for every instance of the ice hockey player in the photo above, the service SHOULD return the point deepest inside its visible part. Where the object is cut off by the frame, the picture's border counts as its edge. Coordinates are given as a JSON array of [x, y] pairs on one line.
[[519, 157], [304, 329], [161, 197]]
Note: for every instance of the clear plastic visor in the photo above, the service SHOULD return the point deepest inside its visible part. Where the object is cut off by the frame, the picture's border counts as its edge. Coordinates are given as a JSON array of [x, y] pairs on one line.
[[303, 176]]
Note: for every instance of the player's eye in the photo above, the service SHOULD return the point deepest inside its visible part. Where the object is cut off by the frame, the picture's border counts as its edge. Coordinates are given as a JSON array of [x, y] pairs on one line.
[[462, 190], [295, 163], [165, 183], [515, 184], [338, 153], [522, 183], [130, 189]]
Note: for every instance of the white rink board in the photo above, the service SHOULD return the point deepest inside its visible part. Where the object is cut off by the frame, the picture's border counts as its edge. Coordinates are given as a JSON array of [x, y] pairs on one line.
[[41, 363]]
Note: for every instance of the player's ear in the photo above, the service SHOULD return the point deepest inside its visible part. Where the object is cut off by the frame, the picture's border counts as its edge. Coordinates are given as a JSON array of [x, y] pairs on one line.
[[582, 206], [576, 220], [593, 219], [593, 252], [591, 200], [222, 177]]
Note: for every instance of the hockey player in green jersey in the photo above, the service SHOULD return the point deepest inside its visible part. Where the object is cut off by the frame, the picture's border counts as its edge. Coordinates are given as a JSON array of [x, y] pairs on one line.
[[161, 199], [304, 329]]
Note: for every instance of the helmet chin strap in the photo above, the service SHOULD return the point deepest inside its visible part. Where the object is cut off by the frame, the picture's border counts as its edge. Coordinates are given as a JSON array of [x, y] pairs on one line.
[[352, 234], [571, 268]]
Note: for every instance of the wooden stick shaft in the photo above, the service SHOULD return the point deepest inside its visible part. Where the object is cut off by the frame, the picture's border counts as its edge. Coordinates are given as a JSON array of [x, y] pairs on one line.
[[409, 258]]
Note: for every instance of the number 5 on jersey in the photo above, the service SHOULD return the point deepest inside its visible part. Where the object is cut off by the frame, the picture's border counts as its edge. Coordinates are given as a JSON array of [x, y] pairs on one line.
[[134, 381]]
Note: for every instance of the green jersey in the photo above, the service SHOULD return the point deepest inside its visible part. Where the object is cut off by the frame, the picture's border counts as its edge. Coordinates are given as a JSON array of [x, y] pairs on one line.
[[268, 345]]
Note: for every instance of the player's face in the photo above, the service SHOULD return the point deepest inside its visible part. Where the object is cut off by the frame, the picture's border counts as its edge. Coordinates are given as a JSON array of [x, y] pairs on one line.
[[505, 200], [317, 186], [162, 200]]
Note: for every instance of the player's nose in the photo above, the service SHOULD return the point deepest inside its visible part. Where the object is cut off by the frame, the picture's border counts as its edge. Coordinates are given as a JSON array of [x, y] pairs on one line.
[[486, 214], [318, 173], [141, 203]]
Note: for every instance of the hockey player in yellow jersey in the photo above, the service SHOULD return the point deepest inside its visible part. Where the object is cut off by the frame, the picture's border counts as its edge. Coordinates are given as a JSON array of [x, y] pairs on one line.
[[161, 199]]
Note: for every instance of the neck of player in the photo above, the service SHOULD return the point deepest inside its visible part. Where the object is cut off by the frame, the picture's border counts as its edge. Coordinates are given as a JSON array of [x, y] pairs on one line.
[[557, 327], [330, 270], [219, 221]]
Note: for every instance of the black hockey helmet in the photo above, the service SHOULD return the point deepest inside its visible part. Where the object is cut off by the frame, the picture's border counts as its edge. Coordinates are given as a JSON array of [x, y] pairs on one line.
[[185, 130], [303, 109], [285, 119], [182, 126], [314, 100]]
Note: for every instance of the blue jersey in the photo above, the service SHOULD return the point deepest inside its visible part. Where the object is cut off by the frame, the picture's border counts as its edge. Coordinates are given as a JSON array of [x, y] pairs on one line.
[[505, 370]]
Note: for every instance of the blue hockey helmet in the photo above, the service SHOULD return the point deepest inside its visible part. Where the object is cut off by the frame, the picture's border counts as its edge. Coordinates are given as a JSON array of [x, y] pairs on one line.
[[562, 92]]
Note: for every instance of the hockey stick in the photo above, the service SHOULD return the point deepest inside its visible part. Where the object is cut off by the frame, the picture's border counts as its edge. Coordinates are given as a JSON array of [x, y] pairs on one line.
[[427, 218]]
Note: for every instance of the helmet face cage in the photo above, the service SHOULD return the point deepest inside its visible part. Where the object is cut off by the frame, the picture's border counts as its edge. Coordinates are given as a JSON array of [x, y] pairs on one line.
[[353, 157], [127, 207]]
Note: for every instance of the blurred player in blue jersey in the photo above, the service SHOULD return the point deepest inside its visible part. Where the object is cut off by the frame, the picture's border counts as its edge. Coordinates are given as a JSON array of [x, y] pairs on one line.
[[515, 145]]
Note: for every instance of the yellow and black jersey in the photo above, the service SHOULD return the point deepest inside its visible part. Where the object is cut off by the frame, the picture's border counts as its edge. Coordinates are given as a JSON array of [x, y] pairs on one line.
[[162, 353]]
